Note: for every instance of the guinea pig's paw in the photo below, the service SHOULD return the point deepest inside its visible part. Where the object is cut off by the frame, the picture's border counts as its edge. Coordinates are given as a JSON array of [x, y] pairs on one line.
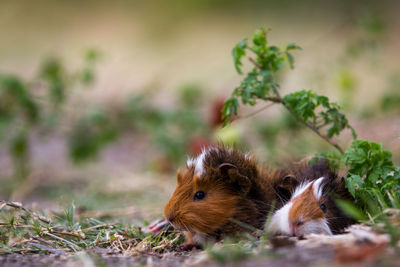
[[189, 246], [158, 226]]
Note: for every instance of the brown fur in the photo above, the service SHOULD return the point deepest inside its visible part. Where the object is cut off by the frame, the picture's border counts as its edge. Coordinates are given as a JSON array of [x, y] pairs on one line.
[[305, 207]]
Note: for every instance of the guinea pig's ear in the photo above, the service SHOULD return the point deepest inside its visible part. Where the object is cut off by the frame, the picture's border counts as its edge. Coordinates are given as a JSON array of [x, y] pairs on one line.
[[225, 167], [179, 177], [240, 182], [286, 186]]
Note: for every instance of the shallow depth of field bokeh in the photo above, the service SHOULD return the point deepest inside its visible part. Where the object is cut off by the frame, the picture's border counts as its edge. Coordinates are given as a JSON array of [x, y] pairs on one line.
[[152, 78]]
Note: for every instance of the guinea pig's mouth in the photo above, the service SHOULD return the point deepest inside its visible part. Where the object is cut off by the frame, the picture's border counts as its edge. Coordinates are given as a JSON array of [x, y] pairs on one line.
[[177, 224]]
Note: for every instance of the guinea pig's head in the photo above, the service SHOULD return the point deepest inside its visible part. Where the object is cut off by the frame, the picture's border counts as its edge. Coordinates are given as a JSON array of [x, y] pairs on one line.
[[208, 191], [307, 212]]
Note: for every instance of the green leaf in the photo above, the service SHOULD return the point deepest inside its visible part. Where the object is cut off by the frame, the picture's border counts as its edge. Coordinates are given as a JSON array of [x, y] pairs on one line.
[[290, 59], [354, 183], [238, 52], [230, 109], [292, 46]]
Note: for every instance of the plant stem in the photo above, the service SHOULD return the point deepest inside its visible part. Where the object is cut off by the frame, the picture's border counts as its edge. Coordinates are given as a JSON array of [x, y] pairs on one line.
[[255, 62], [254, 112]]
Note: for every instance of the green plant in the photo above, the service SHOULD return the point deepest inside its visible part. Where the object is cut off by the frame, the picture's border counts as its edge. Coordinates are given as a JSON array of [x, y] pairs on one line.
[[314, 111], [371, 173]]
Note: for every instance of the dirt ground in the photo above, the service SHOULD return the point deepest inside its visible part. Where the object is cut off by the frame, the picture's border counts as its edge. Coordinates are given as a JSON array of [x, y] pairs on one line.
[[359, 246], [292, 256]]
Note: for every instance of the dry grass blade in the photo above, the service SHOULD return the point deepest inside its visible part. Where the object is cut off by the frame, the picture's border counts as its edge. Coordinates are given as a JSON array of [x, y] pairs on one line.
[[46, 248], [100, 226], [73, 246], [18, 205]]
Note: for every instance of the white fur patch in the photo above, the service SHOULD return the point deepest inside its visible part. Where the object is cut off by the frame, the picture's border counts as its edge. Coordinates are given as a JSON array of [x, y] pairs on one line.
[[280, 221], [301, 188], [198, 162], [317, 188], [199, 166]]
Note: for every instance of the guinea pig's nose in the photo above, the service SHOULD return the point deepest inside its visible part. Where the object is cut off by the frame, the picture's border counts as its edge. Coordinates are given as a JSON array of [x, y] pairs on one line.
[[295, 227]]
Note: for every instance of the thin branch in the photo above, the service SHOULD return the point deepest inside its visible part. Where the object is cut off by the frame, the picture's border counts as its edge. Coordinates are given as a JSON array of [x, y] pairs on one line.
[[321, 125], [273, 99], [326, 138], [254, 112], [254, 62]]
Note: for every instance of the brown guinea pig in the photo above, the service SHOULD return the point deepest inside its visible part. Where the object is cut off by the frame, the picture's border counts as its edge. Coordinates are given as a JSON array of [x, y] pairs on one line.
[[220, 188], [312, 207]]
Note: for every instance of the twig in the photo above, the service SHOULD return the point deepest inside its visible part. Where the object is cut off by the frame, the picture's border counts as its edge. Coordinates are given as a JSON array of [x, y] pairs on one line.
[[255, 112], [254, 62], [41, 240], [72, 245], [273, 99]]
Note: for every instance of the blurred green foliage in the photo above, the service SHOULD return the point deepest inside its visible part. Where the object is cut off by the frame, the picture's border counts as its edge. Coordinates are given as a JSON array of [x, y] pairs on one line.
[[23, 110], [191, 96], [390, 101], [90, 135], [170, 129]]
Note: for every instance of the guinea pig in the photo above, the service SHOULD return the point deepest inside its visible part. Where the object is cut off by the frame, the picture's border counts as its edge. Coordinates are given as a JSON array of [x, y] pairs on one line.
[[312, 209], [222, 191]]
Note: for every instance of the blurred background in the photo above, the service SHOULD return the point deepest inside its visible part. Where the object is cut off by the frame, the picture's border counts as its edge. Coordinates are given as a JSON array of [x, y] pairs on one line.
[[101, 102]]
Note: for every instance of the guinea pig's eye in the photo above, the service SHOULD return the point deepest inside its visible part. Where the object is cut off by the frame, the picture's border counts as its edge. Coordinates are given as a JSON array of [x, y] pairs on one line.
[[199, 195], [323, 207]]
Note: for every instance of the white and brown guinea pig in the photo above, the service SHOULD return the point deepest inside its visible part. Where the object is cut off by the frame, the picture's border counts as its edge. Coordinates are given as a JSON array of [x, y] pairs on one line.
[[312, 209]]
